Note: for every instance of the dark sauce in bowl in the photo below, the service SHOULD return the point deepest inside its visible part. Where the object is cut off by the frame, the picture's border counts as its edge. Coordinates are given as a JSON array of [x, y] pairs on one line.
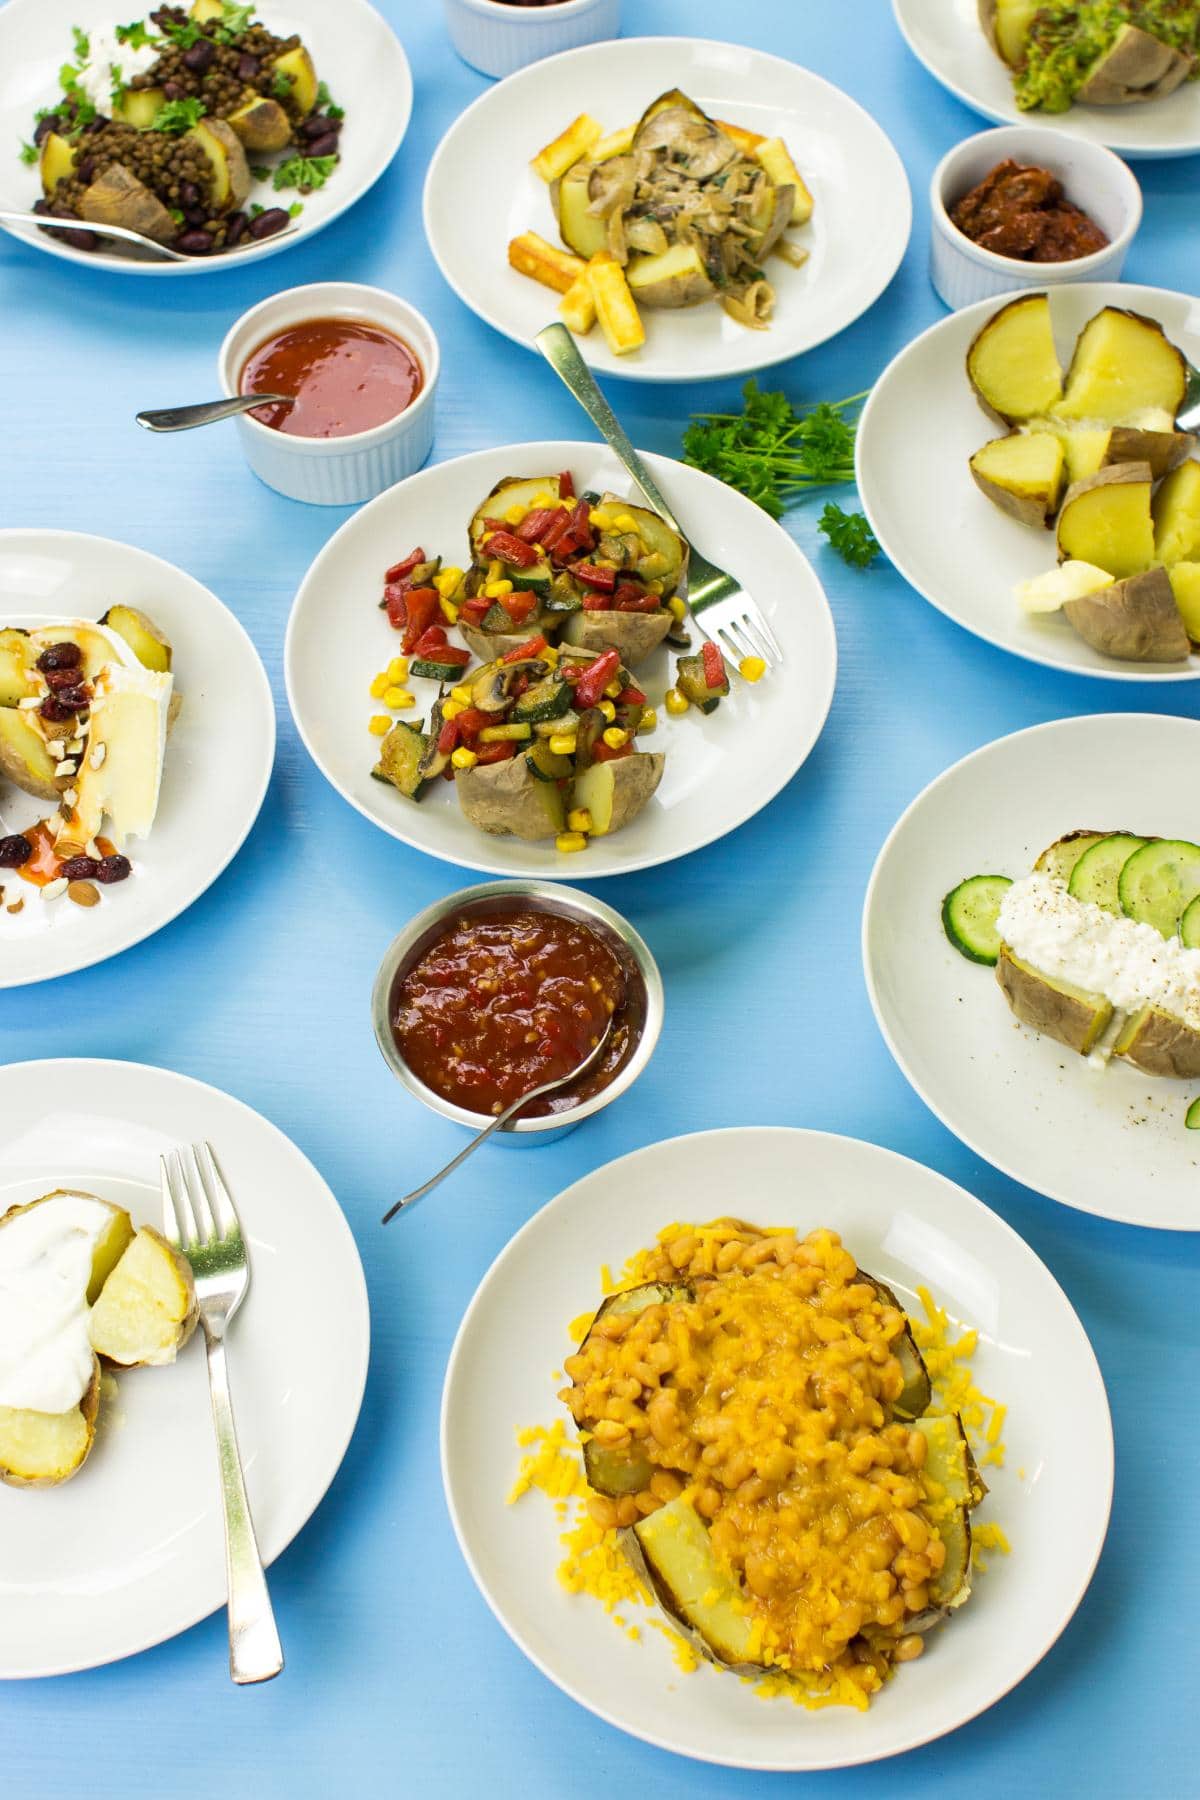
[[347, 374]]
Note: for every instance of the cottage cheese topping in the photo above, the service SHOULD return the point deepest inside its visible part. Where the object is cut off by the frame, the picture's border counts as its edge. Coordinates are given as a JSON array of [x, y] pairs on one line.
[[45, 1268], [1077, 942], [112, 64]]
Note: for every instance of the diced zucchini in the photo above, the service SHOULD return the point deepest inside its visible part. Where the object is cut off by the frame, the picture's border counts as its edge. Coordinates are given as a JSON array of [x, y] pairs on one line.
[[506, 734], [969, 917], [436, 671], [498, 618], [692, 684], [550, 699], [400, 757], [546, 764], [530, 581]]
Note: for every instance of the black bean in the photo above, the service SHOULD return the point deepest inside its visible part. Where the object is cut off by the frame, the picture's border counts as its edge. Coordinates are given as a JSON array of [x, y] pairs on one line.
[[268, 223], [324, 146], [14, 851], [248, 67], [199, 58], [112, 868], [195, 242], [45, 126]]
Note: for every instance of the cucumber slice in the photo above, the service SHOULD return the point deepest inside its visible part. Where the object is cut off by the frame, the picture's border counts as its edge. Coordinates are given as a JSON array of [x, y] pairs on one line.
[[1191, 1117], [969, 915], [1096, 874], [1189, 925], [1159, 882]]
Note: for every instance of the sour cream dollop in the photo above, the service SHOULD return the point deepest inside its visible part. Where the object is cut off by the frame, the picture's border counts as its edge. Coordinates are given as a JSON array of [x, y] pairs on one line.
[[45, 1268]]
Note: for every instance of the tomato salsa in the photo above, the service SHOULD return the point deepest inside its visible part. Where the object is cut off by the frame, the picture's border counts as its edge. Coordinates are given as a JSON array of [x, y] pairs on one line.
[[347, 375], [506, 999], [1019, 210]]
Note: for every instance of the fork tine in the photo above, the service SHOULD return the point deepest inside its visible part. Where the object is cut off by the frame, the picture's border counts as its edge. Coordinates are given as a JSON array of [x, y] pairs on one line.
[[170, 1219], [224, 1210], [766, 634], [739, 647], [176, 1187], [756, 631], [198, 1195]]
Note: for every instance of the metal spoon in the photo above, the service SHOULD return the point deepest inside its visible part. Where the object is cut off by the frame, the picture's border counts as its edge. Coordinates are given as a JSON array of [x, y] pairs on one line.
[[207, 412], [547, 1087], [1189, 418], [46, 223]]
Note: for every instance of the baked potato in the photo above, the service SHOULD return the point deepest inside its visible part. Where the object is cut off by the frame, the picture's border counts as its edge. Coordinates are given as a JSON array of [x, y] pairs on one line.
[[581, 230], [1059, 858], [146, 1309], [1136, 66], [1022, 474], [625, 1468], [139, 106], [1106, 520], [634, 635], [117, 197], [1136, 619], [18, 678], [45, 1449], [1070, 1015], [506, 799], [1185, 585], [1123, 364], [261, 124], [148, 643], [1050, 592], [614, 793], [487, 645], [24, 758], [56, 160], [230, 170], [674, 278], [297, 67], [1158, 1044], [1176, 511], [1006, 25], [1012, 364]]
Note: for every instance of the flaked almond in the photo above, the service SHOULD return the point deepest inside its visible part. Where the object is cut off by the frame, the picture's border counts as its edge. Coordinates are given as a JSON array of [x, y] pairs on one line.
[[30, 703], [16, 906], [67, 768], [71, 796], [98, 755], [57, 749], [83, 893], [53, 889]]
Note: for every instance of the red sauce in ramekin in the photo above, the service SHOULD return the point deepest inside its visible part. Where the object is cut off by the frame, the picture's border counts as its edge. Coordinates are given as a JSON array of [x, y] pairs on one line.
[[506, 999], [347, 374]]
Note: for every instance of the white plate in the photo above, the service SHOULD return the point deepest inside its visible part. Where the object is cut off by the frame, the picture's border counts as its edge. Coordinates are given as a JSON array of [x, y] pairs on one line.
[[946, 36], [1108, 1141], [481, 192], [908, 1226], [917, 432], [356, 53], [132, 1551], [720, 770], [218, 760]]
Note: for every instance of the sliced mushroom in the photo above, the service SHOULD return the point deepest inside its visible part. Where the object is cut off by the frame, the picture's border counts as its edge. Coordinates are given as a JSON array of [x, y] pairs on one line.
[[692, 142]]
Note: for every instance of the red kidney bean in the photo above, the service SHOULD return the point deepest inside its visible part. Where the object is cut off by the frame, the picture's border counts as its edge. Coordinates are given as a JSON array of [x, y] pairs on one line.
[[248, 66], [112, 868], [324, 146], [45, 126], [60, 656], [87, 169], [173, 90], [268, 223], [14, 851], [189, 194], [315, 126], [78, 240], [195, 242], [199, 58], [235, 229]]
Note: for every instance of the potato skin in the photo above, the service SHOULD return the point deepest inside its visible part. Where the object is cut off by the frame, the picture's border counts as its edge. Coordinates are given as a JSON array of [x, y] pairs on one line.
[[505, 800], [24, 759], [1137, 67], [634, 635], [117, 197], [1164, 1046], [261, 124], [1136, 619], [488, 645], [1026, 508], [1043, 1008], [1163, 450]]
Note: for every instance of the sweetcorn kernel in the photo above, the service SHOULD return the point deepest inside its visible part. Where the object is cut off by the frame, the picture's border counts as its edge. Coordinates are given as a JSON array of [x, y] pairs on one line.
[[515, 514], [676, 606], [613, 689], [495, 569], [462, 758], [600, 518], [676, 703], [567, 841], [549, 656], [496, 590], [563, 743], [752, 668], [446, 581], [452, 708], [380, 725], [615, 738], [379, 686], [449, 610], [609, 710], [462, 695], [580, 819], [625, 522], [400, 699], [397, 671]]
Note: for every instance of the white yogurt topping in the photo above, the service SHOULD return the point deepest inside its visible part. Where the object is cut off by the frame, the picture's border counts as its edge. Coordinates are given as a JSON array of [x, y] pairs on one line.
[[45, 1268], [104, 54], [1077, 942]]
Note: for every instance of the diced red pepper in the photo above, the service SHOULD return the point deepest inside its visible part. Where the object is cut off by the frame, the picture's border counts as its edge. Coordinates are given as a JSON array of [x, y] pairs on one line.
[[602, 752], [593, 576], [414, 612], [448, 737], [597, 603], [566, 485], [405, 566], [450, 653], [631, 696], [532, 647], [490, 753], [472, 722], [578, 537], [430, 641], [518, 606], [636, 600], [714, 665], [557, 529], [473, 610], [534, 523], [510, 549], [496, 525], [589, 689]]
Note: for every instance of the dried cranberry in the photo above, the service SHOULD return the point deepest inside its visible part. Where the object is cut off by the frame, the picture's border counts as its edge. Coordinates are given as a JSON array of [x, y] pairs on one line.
[[60, 656], [58, 708], [110, 869], [59, 679], [14, 851]]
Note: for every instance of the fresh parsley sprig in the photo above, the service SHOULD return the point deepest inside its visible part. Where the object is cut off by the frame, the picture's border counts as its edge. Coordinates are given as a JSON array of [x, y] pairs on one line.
[[178, 116], [304, 172], [137, 36], [850, 534]]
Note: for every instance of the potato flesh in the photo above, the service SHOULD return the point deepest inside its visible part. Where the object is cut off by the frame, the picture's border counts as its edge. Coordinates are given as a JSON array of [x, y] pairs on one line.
[[1070, 1015], [1028, 464], [42, 1449], [675, 278], [24, 758], [147, 1306], [692, 1584], [1109, 525], [1185, 585], [1122, 364], [1177, 516], [1013, 363]]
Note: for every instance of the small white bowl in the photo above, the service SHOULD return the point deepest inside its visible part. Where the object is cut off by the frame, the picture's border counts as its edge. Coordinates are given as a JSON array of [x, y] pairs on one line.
[[338, 471], [496, 38], [1093, 177]]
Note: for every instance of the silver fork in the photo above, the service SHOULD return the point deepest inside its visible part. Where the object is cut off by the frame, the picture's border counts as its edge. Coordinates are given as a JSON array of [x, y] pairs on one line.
[[720, 605], [199, 1219]]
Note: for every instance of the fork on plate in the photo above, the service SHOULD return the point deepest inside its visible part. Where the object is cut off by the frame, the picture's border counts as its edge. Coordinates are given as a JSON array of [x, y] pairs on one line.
[[719, 604], [199, 1218]]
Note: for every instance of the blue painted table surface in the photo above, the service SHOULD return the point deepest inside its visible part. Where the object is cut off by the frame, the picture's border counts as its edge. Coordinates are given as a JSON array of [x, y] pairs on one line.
[[398, 1678]]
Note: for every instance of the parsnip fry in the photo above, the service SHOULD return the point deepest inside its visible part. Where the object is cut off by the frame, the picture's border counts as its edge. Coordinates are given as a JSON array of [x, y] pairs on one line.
[[566, 149], [577, 309], [531, 255], [615, 144], [772, 153], [616, 309]]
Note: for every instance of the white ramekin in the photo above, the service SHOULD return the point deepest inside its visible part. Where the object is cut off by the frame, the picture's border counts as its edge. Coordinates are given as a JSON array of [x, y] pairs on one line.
[[1093, 177], [340, 471], [496, 39]]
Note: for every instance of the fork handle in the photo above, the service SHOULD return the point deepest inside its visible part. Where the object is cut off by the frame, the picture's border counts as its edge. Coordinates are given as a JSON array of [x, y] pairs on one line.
[[255, 1653], [560, 351]]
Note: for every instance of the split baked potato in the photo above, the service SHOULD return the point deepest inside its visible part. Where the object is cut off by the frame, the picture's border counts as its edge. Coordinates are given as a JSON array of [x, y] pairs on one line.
[[1098, 56]]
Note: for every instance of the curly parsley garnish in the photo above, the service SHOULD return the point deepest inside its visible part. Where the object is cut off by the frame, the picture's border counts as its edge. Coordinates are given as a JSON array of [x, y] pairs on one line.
[[136, 35], [82, 44], [178, 116], [304, 172], [235, 20], [325, 103], [281, 85], [29, 152], [182, 36], [850, 535]]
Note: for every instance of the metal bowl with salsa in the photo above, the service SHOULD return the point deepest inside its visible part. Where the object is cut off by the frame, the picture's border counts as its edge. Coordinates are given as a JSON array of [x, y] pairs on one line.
[[500, 987]]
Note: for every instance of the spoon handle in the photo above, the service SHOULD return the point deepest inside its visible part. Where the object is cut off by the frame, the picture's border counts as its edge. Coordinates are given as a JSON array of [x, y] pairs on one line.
[[207, 412], [46, 222], [559, 349]]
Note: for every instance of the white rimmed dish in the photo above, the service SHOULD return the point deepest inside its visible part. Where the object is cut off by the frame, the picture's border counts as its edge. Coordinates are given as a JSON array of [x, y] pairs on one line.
[[907, 1225], [218, 760], [1107, 1141], [946, 36], [1095, 179], [645, 990], [916, 435], [719, 771], [131, 1551], [335, 471], [356, 53], [496, 38], [481, 192]]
